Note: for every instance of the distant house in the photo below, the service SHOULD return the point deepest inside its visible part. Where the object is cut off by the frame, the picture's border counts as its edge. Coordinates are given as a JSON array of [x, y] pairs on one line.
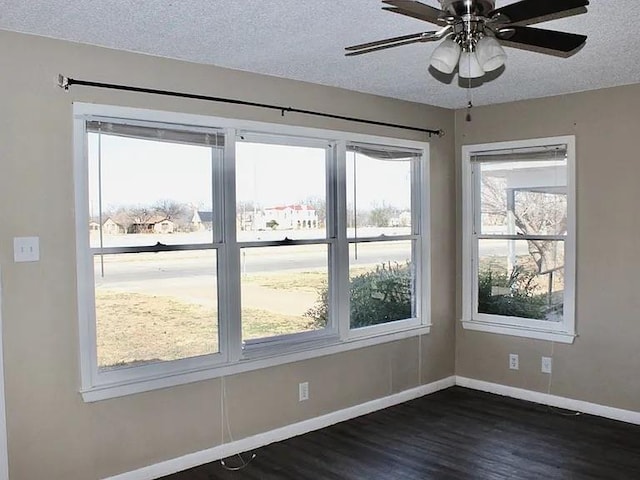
[[111, 227], [164, 226], [157, 224], [289, 217], [202, 220]]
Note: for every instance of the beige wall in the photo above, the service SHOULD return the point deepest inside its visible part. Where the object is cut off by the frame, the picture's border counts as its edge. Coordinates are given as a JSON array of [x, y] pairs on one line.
[[52, 433], [602, 365]]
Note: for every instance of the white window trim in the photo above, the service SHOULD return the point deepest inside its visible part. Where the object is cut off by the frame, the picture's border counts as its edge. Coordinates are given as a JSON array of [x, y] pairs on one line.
[[563, 332], [126, 381]]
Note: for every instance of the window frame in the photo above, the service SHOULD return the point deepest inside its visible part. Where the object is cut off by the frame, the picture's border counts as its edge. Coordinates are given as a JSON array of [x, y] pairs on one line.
[[419, 203], [563, 331], [258, 348], [231, 359]]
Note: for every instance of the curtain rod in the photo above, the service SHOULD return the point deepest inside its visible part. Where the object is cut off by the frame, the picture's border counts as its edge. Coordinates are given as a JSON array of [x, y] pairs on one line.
[[66, 82]]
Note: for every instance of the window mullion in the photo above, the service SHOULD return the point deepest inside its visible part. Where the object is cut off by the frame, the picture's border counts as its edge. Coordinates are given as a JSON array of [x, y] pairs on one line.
[[337, 216], [229, 290], [476, 222]]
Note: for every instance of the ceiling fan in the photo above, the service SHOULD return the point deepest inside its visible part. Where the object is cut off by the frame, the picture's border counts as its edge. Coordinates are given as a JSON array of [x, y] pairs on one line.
[[474, 32]]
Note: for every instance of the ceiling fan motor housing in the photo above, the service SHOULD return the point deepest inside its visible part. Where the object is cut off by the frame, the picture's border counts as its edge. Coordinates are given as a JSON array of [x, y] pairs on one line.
[[474, 8], [468, 18]]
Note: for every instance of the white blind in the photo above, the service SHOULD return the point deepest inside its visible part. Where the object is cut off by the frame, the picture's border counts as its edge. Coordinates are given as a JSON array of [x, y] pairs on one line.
[[158, 133], [547, 152], [382, 152]]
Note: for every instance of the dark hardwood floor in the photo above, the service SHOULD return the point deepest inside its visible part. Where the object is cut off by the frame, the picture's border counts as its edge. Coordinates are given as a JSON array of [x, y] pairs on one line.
[[453, 434]]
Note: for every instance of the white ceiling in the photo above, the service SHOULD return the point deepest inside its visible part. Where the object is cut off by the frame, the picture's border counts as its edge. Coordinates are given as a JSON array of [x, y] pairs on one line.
[[304, 40]]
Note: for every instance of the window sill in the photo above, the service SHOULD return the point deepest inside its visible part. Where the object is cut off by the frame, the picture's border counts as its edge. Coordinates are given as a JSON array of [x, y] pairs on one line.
[[104, 392], [520, 331]]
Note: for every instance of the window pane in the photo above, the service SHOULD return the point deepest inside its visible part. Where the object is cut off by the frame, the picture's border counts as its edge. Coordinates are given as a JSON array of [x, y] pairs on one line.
[[378, 194], [527, 197], [284, 290], [146, 191], [382, 282], [281, 192], [153, 307], [521, 278]]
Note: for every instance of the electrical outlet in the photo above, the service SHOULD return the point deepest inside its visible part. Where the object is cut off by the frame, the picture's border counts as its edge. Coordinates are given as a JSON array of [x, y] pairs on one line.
[[303, 391], [26, 249], [514, 361], [546, 364]]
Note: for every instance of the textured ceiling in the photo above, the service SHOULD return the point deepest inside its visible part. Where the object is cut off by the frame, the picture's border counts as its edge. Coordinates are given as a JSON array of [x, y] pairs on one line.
[[304, 40]]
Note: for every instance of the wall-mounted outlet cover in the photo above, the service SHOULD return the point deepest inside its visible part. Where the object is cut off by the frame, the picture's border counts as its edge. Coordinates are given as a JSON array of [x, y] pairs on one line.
[[546, 364], [514, 361], [303, 391]]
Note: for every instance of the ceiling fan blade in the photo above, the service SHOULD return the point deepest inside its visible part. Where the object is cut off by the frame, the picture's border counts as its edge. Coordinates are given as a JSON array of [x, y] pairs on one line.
[[533, 11], [551, 41], [388, 40], [415, 9], [548, 18], [383, 47], [406, 13]]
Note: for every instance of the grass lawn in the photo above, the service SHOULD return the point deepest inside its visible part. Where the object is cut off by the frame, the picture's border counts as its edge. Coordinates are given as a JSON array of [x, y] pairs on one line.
[[139, 326], [134, 328], [291, 281]]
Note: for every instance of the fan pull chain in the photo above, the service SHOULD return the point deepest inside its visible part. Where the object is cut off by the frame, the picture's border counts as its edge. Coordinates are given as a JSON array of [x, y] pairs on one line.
[[470, 104]]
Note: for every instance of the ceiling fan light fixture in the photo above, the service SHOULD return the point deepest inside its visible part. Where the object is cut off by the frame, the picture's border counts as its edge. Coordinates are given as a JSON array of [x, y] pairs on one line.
[[490, 54], [445, 57], [472, 31], [469, 66]]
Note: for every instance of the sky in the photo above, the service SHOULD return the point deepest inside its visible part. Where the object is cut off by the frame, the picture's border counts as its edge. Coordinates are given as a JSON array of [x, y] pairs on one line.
[[142, 172]]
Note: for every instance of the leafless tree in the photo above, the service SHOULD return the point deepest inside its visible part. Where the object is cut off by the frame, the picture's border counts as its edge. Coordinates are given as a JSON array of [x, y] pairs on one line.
[[534, 212], [381, 214], [140, 217], [178, 213]]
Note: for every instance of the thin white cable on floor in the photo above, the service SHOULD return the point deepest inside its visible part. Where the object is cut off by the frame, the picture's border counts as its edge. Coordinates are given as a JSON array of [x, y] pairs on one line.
[[390, 366], [225, 421], [553, 344], [549, 407], [419, 359]]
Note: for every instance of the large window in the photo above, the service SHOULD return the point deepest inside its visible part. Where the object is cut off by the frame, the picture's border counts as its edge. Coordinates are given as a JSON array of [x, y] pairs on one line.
[[383, 233], [281, 205], [206, 247], [519, 238]]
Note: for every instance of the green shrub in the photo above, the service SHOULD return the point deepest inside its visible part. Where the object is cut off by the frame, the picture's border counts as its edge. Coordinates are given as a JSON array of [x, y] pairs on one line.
[[521, 299], [379, 296]]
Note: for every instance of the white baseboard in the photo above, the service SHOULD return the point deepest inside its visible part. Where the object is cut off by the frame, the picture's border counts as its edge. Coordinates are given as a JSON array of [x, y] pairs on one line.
[[250, 443], [628, 416]]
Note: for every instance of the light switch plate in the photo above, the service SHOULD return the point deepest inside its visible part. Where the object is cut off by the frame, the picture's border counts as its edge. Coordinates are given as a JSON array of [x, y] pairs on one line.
[[546, 365], [26, 249]]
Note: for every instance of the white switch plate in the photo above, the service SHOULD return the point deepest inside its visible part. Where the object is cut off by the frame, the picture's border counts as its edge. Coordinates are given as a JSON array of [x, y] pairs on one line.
[[303, 391], [26, 249], [514, 361], [546, 365]]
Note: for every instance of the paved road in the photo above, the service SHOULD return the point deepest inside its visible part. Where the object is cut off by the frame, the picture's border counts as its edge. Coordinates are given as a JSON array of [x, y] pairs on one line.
[[155, 266], [174, 265]]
